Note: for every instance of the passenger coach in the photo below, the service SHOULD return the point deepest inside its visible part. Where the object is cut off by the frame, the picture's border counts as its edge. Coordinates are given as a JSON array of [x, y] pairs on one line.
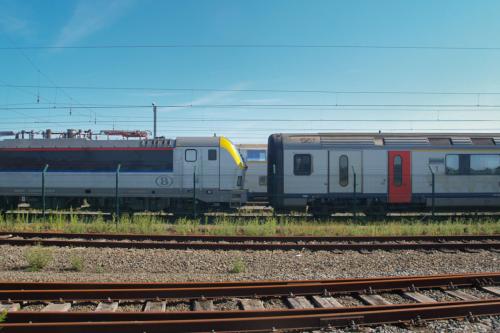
[[376, 173]]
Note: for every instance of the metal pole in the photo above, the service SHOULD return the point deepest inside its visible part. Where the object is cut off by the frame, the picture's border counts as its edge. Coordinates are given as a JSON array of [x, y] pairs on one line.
[[117, 199], [433, 191], [154, 120], [43, 188], [194, 193], [354, 192]]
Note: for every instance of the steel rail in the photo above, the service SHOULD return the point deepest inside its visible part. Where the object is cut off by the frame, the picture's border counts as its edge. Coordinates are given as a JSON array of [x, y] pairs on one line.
[[11, 285], [300, 289], [267, 323], [238, 238], [254, 246], [51, 317], [180, 242]]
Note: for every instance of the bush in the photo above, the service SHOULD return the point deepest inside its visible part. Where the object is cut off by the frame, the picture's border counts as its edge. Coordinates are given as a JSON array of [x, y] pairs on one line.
[[77, 263], [238, 266], [38, 258]]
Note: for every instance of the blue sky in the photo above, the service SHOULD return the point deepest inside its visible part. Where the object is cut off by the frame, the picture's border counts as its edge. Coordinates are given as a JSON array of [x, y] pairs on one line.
[[258, 22]]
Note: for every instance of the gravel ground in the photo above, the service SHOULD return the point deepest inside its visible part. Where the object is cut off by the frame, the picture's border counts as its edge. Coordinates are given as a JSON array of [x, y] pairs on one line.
[[130, 307], [396, 298], [274, 303], [108, 264], [482, 325], [83, 306], [156, 265], [178, 305], [34, 306], [439, 295], [347, 300], [478, 293], [222, 305]]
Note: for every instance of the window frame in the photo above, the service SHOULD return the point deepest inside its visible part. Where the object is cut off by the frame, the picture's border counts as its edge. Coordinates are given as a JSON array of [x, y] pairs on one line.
[[344, 171], [397, 174], [195, 155], [299, 172]]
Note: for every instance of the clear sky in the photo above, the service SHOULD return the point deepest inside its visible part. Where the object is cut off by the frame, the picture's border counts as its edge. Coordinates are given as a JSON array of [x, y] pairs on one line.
[[28, 75]]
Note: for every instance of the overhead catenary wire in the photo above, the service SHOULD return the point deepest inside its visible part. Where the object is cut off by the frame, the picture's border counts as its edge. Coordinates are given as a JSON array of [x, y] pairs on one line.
[[17, 111], [261, 120], [336, 107], [139, 106], [255, 46], [294, 91], [39, 72]]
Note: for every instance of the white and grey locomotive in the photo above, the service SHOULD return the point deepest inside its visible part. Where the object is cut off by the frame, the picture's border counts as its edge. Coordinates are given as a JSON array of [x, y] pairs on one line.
[[146, 174]]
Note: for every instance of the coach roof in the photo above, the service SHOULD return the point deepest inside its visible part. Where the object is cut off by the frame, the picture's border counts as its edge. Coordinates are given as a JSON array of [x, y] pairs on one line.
[[189, 141], [391, 139]]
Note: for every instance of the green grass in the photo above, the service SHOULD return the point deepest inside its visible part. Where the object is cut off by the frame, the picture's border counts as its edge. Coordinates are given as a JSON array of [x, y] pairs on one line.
[[268, 227], [38, 258], [238, 266], [3, 316], [77, 263]]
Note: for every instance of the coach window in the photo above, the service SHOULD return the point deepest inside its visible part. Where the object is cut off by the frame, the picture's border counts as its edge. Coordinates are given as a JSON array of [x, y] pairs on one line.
[[398, 171], [302, 164], [484, 164], [212, 154], [460, 164], [191, 155], [452, 165], [343, 170], [255, 155]]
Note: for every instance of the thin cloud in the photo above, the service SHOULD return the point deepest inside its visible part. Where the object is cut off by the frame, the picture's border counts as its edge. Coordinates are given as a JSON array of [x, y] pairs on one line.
[[154, 94], [262, 101], [11, 21], [89, 17], [217, 97], [14, 25]]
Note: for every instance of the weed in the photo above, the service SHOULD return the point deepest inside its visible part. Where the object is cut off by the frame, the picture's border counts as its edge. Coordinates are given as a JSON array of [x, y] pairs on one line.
[[3, 316], [38, 258], [185, 226], [151, 224], [99, 269], [77, 263], [238, 266]]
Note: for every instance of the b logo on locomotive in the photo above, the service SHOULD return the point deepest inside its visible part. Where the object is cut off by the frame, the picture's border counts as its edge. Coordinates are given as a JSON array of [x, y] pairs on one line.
[[164, 181]]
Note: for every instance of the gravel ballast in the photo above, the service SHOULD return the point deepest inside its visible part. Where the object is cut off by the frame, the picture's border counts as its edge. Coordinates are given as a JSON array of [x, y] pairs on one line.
[[156, 265], [149, 265]]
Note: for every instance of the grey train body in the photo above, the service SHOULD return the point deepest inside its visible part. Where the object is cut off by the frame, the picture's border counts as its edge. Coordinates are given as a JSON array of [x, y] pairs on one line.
[[376, 173], [159, 174], [255, 156]]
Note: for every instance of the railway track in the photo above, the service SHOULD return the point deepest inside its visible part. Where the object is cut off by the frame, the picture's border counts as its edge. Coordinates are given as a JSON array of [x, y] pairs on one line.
[[354, 243], [302, 304]]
